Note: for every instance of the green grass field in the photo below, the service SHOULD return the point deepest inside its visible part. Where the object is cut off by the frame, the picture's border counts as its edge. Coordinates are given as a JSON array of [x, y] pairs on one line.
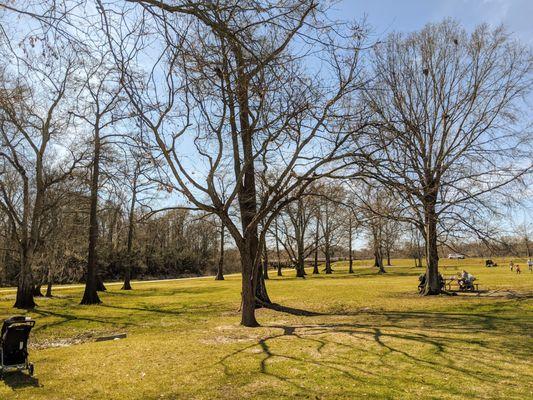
[[370, 336]]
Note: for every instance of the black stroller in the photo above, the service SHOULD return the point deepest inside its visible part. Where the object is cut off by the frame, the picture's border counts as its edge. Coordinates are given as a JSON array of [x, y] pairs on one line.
[[14, 344]]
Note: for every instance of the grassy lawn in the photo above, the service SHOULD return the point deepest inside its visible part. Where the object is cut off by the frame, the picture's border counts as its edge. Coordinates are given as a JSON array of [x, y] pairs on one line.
[[370, 337]]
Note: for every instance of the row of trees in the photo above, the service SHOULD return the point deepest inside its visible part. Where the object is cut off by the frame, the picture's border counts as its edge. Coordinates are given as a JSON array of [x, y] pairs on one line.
[[245, 112]]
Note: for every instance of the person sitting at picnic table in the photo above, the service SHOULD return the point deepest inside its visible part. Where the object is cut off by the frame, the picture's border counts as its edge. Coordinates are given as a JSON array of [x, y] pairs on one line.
[[465, 280]]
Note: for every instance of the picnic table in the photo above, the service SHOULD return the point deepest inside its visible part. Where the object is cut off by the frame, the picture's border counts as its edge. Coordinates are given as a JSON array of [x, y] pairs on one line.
[[448, 282]]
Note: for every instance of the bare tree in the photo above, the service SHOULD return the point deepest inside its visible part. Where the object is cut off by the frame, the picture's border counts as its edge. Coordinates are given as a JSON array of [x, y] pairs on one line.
[[99, 108], [295, 220], [234, 70], [446, 105], [33, 125]]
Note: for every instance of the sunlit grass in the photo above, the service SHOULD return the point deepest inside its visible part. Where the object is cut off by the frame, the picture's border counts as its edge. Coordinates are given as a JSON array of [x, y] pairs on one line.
[[372, 337]]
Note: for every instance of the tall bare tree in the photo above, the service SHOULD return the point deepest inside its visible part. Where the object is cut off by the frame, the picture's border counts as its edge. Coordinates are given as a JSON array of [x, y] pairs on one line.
[[446, 104], [34, 122], [228, 81]]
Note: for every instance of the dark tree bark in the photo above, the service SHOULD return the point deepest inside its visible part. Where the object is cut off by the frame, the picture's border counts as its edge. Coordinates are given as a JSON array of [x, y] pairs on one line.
[[131, 230], [300, 262], [378, 259], [261, 293], [432, 254], [220, 269], [247, 197], [350, 265], [49, 280], [100, 287], [277, 249], [37, 291], [327, 253], [90, 295], [24, 299], [265, 261], [315, 264]]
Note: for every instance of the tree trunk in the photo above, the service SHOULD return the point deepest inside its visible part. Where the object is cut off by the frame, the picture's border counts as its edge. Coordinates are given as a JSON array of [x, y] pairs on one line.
[[247, 201], [265, 260], [388, 258], [49, 288], [300, 262], [432, 257], [327, 253], [131, 231], [261, 293], [378, 260], [220, 269], [315, 264], [277, 250], [100, 287], [300, 271], [350, 255], [37, 291], [90, 295], [248, 288], [24, 299], [49, 280]]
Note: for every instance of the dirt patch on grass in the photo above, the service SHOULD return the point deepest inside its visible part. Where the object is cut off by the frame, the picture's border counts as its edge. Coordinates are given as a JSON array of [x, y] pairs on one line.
[[506, 293], [85, 337]]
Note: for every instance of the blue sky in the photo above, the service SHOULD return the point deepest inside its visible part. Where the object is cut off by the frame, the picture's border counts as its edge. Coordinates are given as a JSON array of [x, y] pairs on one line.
[[385, 16]]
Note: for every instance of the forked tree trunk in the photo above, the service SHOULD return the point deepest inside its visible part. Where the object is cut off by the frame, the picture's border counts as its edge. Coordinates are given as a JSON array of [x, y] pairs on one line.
[[220, 268], [378, 260], [90, 295], [432, 271], [261, 293]]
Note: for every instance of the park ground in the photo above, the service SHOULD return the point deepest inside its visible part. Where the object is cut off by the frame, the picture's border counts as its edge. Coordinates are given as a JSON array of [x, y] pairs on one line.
[[364, 336]]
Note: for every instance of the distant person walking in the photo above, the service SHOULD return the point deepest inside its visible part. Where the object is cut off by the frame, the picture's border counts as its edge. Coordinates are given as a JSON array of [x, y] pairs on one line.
[[530, 265], [511, 265], [518, 271]]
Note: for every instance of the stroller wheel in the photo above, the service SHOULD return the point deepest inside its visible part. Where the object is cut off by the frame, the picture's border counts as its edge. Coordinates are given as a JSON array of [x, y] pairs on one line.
[[31, 369]]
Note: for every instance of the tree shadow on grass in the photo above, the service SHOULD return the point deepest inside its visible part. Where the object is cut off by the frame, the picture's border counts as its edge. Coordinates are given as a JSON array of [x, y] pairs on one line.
[[70, 317], [19, 380], [289, 310], [443, 344]]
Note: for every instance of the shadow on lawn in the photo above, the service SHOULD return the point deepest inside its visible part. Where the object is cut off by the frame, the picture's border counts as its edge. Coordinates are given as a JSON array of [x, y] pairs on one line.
[[19, 380], [444, 344]]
